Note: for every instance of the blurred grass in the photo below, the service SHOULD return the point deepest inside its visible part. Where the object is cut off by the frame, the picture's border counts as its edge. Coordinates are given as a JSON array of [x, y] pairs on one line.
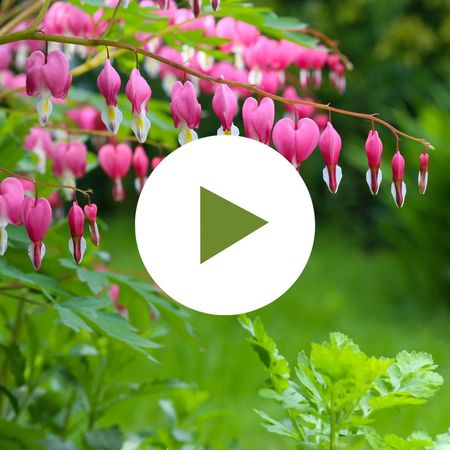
[[344, 288]]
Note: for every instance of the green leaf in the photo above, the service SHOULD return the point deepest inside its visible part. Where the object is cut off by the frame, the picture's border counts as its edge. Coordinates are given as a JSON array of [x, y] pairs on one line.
[[276, 427], [104, 439], [11, 397], [15, 437]]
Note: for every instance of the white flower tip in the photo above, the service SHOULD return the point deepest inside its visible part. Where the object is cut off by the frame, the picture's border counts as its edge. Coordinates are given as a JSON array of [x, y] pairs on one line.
[[338, 176], [374, 187], [399, 200], [112, 118], [3, 241], [140, 124], [422, 181], [187, 135], [44, 110]]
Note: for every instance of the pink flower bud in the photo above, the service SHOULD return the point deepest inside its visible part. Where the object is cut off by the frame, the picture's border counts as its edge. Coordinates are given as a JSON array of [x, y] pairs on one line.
[[77, 243], [321, 121], [296, 141], [155, 161], [258, 119], [115, 160], [86, 117], [108, 83], [37, 217], [374, 151], [139, 93], [11, 198], [398, 188], [140, 163], [330, 145], [91, 213], [47, 76], [76, 158], [423, 172], [225, 106], [39, 142]]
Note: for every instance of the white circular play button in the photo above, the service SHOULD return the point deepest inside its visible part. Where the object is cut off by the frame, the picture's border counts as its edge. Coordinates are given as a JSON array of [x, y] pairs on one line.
[[225, 225]]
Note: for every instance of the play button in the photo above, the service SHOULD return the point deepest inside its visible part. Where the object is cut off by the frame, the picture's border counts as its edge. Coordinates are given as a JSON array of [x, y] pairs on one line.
[[224, 225]]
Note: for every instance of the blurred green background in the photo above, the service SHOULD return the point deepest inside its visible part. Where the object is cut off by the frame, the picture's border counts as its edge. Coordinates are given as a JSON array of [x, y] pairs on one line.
[[378, 274]]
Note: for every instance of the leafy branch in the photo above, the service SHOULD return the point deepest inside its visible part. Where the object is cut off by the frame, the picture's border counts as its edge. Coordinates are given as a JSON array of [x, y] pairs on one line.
[[33, 35]]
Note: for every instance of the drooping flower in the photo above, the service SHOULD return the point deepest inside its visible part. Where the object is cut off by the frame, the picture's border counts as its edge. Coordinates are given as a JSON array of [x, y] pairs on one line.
[[225, 106], [139, 93], [86, 117], [47, 76], [91, 213], [39, 142], [186, 111], [330, 145], [398, 187], [109, 83], [77, 243], [215, 5], [423, 172], [374, 151], [258, 119], [115, 160], [296, 141], [140, 163], [37, 217], [69, 163], [11, 198]]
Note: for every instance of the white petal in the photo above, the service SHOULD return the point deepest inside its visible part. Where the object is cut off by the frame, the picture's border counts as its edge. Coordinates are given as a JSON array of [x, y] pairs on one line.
[[220, 132], [187, 135], [255, 76], [152, 66], [205, 61], [238, 57], [44, 109], [234, 130], [112, 118], [168, 81], [83, 247], [42, 159], [394, 194], [369, 180], [125, 3], [187, 53], [426, 181], [326, 178], [140, 124], [304, 78], [3, 241]]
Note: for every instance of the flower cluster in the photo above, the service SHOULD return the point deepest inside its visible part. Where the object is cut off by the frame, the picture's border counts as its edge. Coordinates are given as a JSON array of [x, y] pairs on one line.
[[20, 206]]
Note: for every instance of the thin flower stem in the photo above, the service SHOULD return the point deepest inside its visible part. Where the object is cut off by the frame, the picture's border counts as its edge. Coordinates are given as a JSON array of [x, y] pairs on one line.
[[50, 185], [112, 20], [41, 15], [27, 34]]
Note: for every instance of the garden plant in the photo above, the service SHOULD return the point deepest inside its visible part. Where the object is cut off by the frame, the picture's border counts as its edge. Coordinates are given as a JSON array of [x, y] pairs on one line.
[[93, 95]]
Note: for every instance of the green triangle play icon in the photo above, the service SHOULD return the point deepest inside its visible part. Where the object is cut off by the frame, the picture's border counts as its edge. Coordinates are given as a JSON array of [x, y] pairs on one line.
[[222, 224]]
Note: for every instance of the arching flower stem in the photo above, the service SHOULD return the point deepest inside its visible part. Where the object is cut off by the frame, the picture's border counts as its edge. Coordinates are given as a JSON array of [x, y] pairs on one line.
[[31, 35], [37, 183]]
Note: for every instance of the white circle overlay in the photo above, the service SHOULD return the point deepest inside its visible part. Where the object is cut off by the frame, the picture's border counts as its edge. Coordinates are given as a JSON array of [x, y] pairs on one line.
[[254, 271]]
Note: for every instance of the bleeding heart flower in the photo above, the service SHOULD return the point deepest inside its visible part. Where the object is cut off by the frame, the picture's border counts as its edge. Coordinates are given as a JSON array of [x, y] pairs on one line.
[[258, 119], [139, 93], [374, 151], [156, 160], [398, 187], [91, 213], [11, 198], [39, 142], [115, 160], [140, 163], [37, 217], [108, 83], [77, 243], [225, 106], [186, 111], [296, 141], [47, 76], [423, 172], [330, 145]]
